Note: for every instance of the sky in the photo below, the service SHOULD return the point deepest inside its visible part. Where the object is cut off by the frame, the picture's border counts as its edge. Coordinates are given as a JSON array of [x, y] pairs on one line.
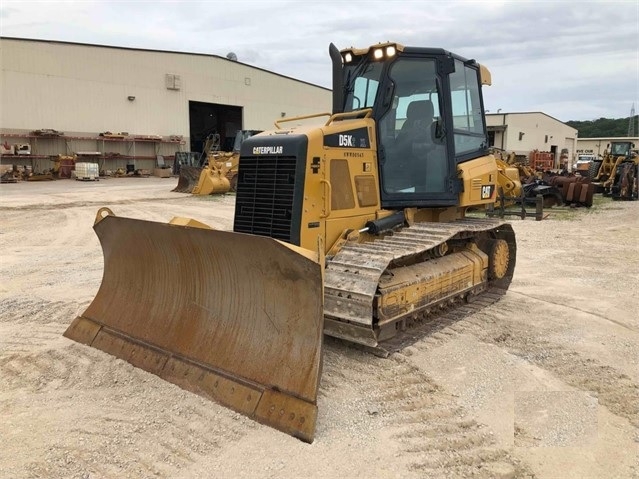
[[573, 60]]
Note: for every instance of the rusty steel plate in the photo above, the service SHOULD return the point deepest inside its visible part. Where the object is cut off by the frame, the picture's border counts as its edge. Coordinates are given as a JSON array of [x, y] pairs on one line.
[[231, 316]]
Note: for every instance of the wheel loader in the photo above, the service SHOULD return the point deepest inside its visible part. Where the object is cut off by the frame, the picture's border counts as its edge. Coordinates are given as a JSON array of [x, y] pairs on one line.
[[352, 227], [617, 175]]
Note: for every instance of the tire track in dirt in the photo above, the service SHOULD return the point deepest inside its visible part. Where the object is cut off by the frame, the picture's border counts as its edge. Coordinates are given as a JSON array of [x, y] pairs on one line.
[[562, 305], [138, 424], [23, 310], [438, 438], [30, 326], [615, 390], [169, 436], [432, 433], [502, 325], [56, 259], [57, 369], [83, 204]]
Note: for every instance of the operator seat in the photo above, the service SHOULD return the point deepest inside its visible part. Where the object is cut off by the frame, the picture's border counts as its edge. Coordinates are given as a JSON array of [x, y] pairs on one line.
[[422, 153], [418, 128]]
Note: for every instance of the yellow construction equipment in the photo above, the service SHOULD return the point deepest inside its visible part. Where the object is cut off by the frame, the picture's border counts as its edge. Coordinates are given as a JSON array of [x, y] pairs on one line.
[[617, 174], [212, 179], [621, 167], [517, 183], [353, 228], [217, 173], [508, 182]]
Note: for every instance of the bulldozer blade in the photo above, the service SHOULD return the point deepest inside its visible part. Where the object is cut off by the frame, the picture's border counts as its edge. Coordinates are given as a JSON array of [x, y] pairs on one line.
[[233, 317], [188, 179]]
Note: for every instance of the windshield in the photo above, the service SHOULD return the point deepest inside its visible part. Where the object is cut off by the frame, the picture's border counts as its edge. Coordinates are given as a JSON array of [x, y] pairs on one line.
[[360, 84], [415, 159], [621, 149]]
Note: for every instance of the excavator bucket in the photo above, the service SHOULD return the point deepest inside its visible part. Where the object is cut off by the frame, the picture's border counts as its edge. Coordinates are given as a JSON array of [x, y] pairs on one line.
[[188, 179], [234, 317]]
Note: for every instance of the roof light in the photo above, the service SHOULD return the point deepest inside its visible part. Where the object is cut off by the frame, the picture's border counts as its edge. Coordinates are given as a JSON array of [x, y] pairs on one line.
[[390, 51], [378, 53], [348, 58]]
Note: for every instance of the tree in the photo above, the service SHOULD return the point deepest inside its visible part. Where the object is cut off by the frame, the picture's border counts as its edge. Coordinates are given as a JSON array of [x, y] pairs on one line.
[[603, 127]]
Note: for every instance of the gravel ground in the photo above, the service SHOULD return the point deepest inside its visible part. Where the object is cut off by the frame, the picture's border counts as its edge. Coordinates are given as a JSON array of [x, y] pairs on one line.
[[541, 383]]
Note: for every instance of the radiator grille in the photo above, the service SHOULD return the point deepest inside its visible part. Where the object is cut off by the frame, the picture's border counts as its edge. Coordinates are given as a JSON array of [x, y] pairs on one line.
[[265, 197]]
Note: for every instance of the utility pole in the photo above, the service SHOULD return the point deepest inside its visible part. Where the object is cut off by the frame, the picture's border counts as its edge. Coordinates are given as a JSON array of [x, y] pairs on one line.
[[631, 122]]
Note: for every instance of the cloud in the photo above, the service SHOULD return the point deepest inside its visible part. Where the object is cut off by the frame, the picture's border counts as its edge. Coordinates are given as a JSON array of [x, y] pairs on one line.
[[573, 60]]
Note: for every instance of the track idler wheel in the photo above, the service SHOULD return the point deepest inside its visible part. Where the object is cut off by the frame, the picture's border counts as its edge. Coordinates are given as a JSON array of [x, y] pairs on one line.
[[498, 259], [501, 249]]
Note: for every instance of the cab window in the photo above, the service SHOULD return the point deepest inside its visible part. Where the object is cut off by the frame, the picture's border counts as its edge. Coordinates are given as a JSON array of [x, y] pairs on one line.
[[414, 150], [468, 123]]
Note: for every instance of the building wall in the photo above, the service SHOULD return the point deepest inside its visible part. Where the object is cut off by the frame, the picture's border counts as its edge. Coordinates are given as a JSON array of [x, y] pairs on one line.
[[84, 89], [525, 132]]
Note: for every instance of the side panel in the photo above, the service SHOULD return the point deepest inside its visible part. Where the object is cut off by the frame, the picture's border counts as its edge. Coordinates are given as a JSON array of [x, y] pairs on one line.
[[479, 179], [350, 153]]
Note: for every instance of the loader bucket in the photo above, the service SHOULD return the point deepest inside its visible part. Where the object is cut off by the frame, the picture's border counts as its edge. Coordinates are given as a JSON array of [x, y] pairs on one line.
[[233, 317], [212, 182], [188, 179]]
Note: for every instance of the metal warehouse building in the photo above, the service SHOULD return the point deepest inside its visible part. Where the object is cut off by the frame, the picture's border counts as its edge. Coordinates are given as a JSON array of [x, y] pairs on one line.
[[527, 131], [158, 102]]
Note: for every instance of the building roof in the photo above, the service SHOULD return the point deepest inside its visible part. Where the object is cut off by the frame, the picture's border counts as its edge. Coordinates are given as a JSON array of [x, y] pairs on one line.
[[611, 138], [527, 113], [209, 55]]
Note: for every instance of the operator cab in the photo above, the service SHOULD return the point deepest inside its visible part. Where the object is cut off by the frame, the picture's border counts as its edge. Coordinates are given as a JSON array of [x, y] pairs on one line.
[[620, 148], [429, 115]]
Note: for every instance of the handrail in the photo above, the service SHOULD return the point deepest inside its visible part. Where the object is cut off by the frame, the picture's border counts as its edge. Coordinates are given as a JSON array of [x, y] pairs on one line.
[[368, 112], [327, 203], [355, 113], [295, 118]]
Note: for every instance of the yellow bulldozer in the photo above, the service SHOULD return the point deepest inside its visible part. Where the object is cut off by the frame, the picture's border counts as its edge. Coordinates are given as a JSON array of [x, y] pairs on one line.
[[353, 227]]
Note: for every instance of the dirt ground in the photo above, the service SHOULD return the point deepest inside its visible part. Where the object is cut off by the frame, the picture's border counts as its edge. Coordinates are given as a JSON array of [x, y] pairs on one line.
[[543, 383]]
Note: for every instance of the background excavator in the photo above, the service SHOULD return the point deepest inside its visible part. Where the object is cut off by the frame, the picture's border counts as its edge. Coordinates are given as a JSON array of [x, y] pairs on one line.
[[351, 227]]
